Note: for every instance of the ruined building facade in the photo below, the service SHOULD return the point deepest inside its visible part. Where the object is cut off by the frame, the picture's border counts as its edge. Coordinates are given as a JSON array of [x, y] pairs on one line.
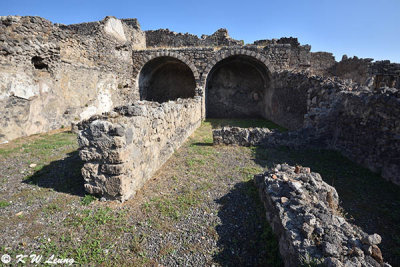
[[157, 86]]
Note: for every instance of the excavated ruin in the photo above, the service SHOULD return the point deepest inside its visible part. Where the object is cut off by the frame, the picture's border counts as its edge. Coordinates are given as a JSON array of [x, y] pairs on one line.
[[134, 97]]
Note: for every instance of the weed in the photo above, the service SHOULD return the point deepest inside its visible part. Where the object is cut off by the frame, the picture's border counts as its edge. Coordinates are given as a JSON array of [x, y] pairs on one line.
[[87, 199], [4, 204], [52, 208]]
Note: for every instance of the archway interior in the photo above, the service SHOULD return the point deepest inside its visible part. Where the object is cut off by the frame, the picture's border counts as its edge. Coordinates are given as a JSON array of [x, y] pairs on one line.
[[166, 78], [236, 87]]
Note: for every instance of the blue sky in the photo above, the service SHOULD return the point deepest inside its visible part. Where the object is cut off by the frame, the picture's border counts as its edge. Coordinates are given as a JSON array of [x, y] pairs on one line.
[[365, 28]]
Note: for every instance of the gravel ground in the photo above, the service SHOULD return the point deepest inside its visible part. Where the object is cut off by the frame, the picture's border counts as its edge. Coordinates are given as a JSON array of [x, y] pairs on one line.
[[200, 209]]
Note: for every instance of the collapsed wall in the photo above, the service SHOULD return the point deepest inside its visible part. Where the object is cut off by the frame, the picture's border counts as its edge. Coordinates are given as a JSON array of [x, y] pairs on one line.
[[362, 71], [304, 213], [124, 148], [53, 74]]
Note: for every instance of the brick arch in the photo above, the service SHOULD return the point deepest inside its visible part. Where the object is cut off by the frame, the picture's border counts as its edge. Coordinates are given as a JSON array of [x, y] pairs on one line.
[[175, 55], [223, 54]]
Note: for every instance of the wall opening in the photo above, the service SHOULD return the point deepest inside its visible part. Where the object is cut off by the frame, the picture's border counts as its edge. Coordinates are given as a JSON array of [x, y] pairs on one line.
[[38, 63], [235, 88], [166, 78]]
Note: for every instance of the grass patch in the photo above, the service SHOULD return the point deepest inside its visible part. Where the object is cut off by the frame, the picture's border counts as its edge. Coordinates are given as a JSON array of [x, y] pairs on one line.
[[96, 235], [39, 145], [86, 200], [87, 237], [52, 208], [4, 204], [174, 206]]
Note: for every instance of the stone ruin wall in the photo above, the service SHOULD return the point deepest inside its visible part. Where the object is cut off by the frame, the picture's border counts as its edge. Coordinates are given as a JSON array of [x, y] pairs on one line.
[[167, 38], [301, 208], [363, 71], [52, 74], [363, 125], [304, 213], [122, 149], [274, 58]]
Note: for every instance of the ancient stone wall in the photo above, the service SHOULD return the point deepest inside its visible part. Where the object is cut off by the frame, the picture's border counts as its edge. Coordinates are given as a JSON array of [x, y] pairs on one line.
[[361, 123], [268, 60], [385, 74], [356, 69], [304, 138], [321, 62], [124, 148], [363, 71], [364, 125], [52, 74], [167, 38], [285, 101], [304, 213]]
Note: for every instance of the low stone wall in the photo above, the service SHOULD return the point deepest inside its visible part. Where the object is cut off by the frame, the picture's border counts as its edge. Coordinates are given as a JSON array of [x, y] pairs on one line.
[[266, 137], [304, 213], [123, 149]]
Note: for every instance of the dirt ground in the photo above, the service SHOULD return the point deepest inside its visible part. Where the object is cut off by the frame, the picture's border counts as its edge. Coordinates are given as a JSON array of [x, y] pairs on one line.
[[200, 209]]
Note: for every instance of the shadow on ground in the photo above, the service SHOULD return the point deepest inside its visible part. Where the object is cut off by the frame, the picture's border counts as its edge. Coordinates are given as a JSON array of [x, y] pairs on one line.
[[202, 144], [62, 175], [245, 238], [368, 200]]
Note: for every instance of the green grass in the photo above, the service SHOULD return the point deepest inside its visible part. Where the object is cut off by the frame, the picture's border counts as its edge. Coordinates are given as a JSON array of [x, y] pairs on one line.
[[95, 228], [42, 145], [88, 229], [4, 204], [86, 200], [52, 208], [174, 206]]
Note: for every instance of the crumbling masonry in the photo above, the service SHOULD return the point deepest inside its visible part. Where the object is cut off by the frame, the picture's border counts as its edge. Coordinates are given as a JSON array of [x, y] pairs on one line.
[[134, 96], [53, 75]]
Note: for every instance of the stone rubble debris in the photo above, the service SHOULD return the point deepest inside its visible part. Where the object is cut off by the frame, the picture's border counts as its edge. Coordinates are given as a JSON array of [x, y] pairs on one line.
[[304, 213]]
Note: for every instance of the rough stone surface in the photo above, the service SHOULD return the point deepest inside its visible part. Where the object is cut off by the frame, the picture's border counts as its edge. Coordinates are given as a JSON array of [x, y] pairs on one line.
[[122, 149], [265, 137], [304, 213], [167, 38], [359, 121], [52, 74]]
